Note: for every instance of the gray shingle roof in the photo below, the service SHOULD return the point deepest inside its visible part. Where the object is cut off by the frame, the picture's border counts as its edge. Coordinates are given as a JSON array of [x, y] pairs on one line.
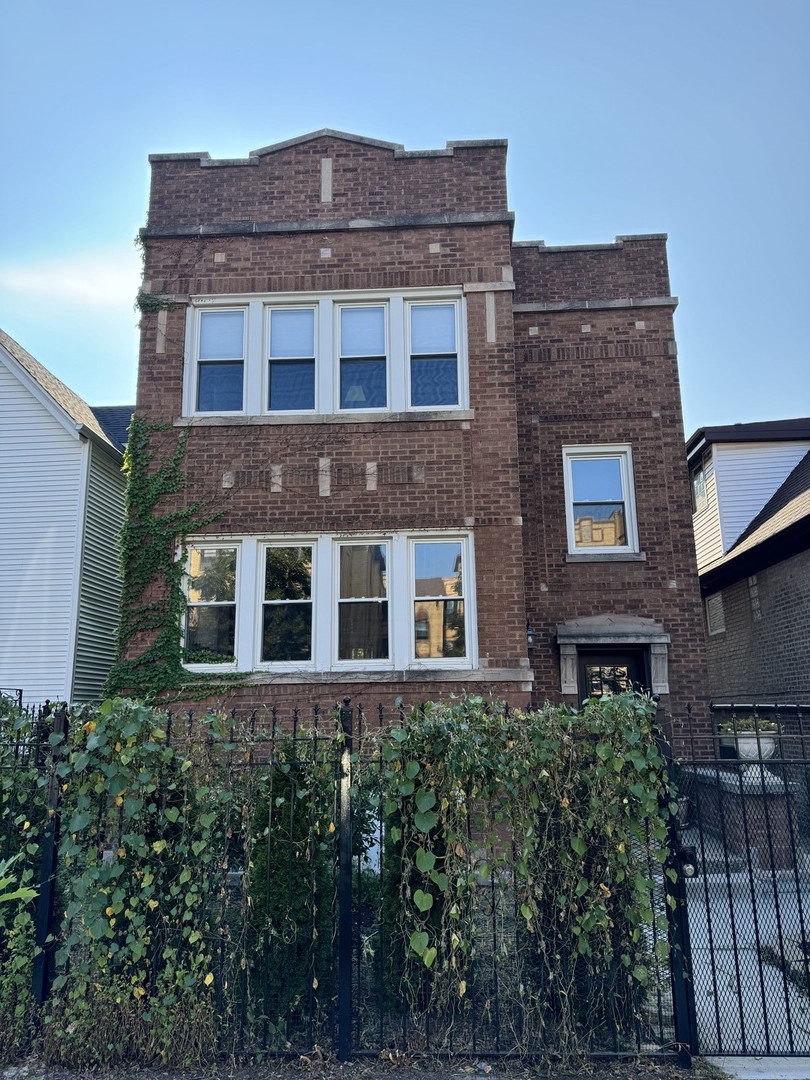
[[115, 419]]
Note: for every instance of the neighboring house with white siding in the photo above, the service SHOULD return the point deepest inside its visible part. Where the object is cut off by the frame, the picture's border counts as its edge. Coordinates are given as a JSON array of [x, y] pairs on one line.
[[751, 517], [61, 509]]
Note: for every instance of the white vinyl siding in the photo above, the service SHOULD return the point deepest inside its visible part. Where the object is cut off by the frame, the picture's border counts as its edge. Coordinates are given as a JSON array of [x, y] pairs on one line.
[[100, 586], [41, 471], [747, 475]]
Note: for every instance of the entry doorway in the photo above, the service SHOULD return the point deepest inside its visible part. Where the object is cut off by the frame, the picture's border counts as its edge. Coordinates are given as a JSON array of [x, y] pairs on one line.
[[612, 671]]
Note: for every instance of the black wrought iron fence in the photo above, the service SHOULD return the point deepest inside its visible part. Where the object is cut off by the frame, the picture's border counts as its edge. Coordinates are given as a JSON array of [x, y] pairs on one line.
[[749, 906], [288, 872]]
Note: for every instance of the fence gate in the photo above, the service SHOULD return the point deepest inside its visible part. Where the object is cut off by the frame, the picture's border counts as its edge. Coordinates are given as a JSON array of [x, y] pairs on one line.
[[748, 906]]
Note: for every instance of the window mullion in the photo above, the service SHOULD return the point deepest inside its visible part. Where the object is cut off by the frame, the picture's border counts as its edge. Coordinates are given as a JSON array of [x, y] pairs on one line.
[[255, 376], [324, 593], [400, 600], [325, 359], [245, 606], [397, 354]]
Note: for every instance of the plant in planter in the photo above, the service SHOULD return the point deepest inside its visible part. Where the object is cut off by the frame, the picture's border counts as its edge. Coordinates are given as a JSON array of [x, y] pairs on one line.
[[751, 739]]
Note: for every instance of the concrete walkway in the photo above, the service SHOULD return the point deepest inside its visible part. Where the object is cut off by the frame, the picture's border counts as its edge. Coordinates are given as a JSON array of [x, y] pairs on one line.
[[763, 1068]]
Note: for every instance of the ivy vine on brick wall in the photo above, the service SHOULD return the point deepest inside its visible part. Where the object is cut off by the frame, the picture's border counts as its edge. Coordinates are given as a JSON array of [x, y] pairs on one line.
[[152, 563]]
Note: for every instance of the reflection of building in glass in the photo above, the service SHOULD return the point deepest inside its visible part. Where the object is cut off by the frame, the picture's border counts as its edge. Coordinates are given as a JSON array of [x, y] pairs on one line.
[[601, 531], [439, 624], [211, 612]]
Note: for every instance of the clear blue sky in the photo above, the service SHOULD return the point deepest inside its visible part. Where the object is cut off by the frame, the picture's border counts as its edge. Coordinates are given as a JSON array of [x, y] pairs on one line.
[[623, 116]]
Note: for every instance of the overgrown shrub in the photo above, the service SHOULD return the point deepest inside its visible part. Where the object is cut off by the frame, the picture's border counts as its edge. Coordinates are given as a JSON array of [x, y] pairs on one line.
[[520, 857]]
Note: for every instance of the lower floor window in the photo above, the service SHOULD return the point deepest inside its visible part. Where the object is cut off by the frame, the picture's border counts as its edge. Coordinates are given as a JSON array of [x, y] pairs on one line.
[[326, 603]]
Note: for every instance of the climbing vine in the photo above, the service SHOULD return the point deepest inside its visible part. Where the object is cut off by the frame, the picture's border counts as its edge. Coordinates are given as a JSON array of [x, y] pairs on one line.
[[153, 601], [546, 829]]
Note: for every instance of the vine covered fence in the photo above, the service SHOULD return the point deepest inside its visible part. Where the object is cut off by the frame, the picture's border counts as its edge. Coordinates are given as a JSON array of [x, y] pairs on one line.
[[458, 878]]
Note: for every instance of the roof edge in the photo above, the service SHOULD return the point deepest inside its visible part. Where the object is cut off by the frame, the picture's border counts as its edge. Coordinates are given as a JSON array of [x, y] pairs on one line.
[[206, 161]]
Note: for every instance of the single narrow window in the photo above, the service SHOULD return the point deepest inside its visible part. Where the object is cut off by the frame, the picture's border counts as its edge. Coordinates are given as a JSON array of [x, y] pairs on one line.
[[292, 360], [438, 605], [211, 609], [363, 602], [221, 361], [434, 355], [363, 374], [287, 605]]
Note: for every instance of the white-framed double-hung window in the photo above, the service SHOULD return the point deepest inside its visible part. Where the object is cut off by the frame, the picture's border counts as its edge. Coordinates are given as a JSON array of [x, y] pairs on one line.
[[209, 626], [433, 355], [327, 603], [220, 348], [600, 500], [326, 354], [291, 333]]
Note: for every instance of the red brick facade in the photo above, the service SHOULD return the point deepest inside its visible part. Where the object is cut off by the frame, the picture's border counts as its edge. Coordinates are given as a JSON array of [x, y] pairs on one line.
[[564, 347]]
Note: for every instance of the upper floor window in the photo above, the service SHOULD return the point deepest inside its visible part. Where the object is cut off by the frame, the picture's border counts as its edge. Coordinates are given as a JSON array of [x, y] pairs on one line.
[[221, 364], [599, 499], [335, 353], [324, 603], [700, 498]]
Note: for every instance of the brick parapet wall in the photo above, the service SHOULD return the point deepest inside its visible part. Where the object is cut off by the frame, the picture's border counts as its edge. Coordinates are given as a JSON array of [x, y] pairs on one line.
[[367, 182], [764, 652], [631, 267]]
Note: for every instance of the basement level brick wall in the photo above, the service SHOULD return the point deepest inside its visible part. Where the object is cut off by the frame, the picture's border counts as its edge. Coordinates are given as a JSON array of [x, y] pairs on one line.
[[488, 470]]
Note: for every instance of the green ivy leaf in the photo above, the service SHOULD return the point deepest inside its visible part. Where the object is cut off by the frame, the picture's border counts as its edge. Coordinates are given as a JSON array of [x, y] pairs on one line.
[[579, 845], [425, 860], [419, 942], [441, 880], [425, 800], [429, 956], [412, 769], [423, 900], [424, 822]]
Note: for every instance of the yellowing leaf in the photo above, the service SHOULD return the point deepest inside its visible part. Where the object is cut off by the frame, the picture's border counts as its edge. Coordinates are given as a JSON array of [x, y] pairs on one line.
[[314, 983], [462, 988], [109, 911], [152, 904], [331, 826], [604, 890], [209, 978], [121, 853], [90, 726], [26, 825], [564, 803], [119, 800], [139, 992]]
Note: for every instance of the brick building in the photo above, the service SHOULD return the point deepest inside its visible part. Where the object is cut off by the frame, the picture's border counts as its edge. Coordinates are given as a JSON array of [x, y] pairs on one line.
[[751, 514], [422, 437]]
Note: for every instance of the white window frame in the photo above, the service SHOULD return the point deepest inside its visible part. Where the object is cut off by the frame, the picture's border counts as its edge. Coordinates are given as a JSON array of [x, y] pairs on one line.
[[213, 544], [624, 454], [461, 368], [401, 590], [256, 362]]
